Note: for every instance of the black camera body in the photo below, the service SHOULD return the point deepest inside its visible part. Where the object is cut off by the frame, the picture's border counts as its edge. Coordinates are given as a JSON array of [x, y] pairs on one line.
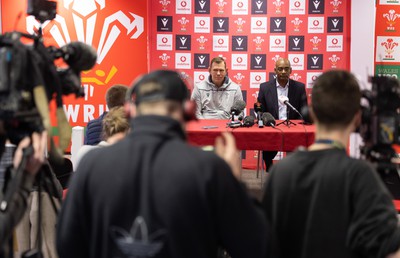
[[380, 129]]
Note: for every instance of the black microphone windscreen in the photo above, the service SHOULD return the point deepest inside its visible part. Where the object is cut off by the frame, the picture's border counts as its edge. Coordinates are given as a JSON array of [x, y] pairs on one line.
[[79, 56], [268, 119], [248, 121], [238, 107]]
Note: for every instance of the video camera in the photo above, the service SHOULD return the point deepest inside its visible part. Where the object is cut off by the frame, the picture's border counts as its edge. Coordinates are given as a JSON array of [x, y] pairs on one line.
[[29, 78], [380, 128]]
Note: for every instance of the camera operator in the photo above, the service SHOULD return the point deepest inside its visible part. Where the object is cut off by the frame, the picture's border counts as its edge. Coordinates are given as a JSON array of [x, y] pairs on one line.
[[12, 211], [322, 203]]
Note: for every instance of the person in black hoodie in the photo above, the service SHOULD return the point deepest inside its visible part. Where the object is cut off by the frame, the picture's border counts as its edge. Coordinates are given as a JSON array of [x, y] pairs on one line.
[[322, 203], [153, 195]]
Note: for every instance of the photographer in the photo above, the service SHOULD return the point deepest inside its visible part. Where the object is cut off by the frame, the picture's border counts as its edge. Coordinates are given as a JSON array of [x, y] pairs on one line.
[[322, 203], [12, 211]]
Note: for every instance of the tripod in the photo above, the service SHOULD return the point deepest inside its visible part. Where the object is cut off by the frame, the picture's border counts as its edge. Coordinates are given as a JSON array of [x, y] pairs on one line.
[[45, 186], [287, 122]]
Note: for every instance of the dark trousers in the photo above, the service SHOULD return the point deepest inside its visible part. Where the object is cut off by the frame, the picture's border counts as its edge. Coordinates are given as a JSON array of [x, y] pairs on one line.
[[268, 156]]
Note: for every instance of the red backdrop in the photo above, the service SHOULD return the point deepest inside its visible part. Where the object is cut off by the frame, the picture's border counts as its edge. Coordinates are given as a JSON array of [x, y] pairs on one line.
[[117, 29], [251, 35]]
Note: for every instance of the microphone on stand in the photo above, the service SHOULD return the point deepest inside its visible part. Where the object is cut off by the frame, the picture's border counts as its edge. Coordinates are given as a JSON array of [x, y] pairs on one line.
[[258, 111], [237, 108], [268, 119]]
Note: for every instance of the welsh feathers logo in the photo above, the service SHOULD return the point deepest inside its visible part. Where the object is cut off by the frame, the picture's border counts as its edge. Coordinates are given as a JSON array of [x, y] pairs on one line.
[[390, 47], [387, 49], [85, 13], [391, 19]]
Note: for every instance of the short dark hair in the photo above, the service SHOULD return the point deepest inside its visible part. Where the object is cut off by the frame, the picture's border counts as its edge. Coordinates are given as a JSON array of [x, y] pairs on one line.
[[335, 98], [218, 60], [115, 96]]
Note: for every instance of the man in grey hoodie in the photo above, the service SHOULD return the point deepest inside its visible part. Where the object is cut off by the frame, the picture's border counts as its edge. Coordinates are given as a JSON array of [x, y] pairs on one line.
[[215, 96]]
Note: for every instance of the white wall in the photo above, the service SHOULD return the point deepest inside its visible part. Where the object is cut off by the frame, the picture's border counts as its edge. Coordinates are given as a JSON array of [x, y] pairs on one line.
[[362, 38], [361, 51]]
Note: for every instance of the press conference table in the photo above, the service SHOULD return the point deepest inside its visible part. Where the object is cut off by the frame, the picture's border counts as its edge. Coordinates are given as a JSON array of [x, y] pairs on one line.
[[283, 138]]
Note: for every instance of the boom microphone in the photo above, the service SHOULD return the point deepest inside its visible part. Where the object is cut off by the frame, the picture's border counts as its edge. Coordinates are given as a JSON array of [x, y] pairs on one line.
[[79, 56], [268, 119], [248, 121]]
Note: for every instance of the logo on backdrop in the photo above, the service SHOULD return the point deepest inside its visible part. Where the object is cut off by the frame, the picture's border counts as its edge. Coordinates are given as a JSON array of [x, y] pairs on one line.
[[391, 19], [256, 78], [258, 42], [239, 77], [315, 24], [240, 7], [390, 45], [277, 25], [202, 7], [239, 24], [258, 62], [295, 76], [164, 4], [315, 62], [221, 6], [336, 5], [258, 6], [296, 61], [221, 43], [311, 77], [164, 41], [184, 23], [296, 23], [315, 43], [164, 59], [278, 6], [201, 61], [334, 59], [277, 43], [296, 43], [182, 61], [297, 7], [239, 43], [133, 24], [183, 6], [239, 61], [335, 24], [316, 6], [164, 23], [334, 43], [201, 24], [258, 25], [220, 24], [183, 42], [202, 41]]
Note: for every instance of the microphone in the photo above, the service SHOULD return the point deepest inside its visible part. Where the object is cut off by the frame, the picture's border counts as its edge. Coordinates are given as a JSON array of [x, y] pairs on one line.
[[285, 101], [79, 56], [238, 107], [258, 111], [248, 121], [268, 119]]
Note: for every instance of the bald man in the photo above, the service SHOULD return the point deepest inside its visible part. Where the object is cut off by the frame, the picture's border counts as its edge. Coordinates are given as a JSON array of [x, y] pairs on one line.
[[269, 93]]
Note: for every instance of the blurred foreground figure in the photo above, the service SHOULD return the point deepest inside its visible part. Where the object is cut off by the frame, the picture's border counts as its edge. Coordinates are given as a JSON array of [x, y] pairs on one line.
[[322, 203], [153, 195]]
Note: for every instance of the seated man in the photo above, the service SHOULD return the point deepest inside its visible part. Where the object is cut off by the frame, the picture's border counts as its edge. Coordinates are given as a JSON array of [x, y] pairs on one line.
[[115, 97], [271, 91], [215, 96]]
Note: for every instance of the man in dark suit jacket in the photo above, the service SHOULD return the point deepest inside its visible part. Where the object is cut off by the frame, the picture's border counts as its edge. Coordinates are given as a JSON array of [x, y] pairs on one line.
[[281, 86]]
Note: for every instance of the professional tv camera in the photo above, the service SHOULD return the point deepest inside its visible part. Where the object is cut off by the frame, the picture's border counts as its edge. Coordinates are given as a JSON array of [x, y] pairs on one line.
[[380, 129], [29, 79]]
